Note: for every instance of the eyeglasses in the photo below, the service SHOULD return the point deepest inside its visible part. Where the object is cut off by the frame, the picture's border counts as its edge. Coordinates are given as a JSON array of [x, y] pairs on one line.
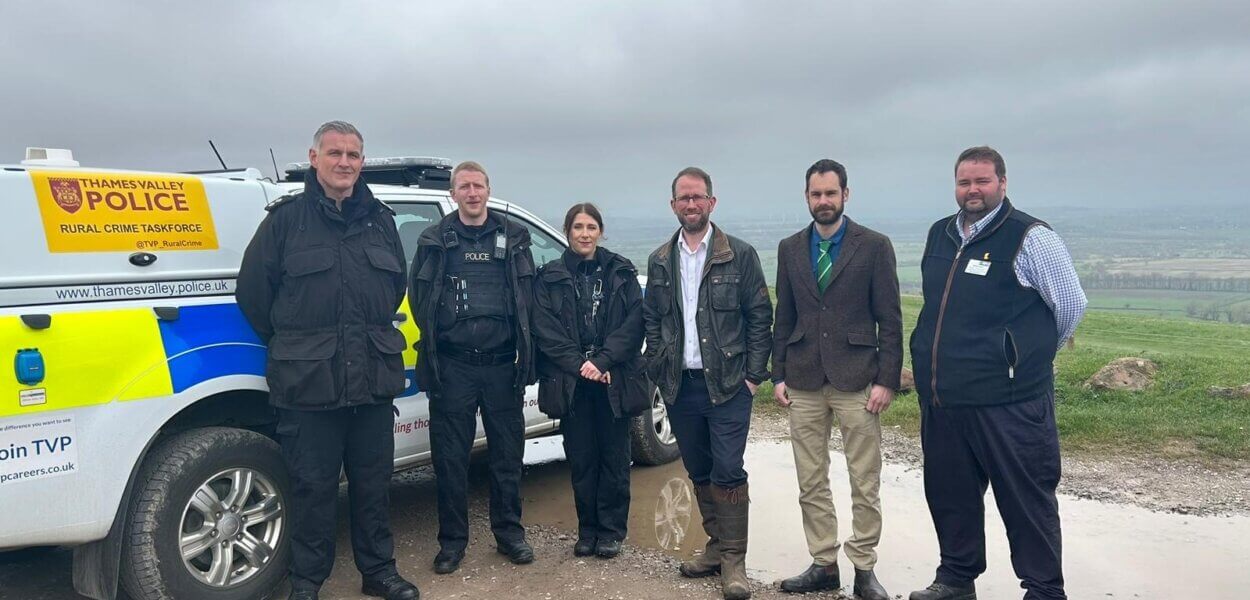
[[692, 199]]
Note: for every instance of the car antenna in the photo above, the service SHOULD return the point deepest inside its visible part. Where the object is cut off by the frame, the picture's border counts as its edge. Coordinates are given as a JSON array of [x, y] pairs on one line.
[[214, 147], [276, 176]]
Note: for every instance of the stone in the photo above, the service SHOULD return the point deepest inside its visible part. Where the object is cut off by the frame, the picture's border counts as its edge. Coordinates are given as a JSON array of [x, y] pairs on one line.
[[907, 382], [1129, 374], [1241, 392]]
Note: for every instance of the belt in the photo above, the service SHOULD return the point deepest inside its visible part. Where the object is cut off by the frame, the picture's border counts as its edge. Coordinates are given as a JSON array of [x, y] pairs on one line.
[[478, 358], [692, 373]]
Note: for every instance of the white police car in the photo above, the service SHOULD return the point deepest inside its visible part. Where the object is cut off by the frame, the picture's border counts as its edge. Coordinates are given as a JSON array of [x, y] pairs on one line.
[[136, 427]]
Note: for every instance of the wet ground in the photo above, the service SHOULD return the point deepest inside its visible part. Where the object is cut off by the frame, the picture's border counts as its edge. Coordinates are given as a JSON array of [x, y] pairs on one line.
[[1110, 550]]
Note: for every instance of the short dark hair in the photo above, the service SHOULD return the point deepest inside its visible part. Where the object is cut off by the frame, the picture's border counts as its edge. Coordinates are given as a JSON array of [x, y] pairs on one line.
[[825, 165], [693, 172], [342, 127], [579, 209], [983, 154]]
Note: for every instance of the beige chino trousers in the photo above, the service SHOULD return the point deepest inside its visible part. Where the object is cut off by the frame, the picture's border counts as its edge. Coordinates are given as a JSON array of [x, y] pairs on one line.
[[811, 422]]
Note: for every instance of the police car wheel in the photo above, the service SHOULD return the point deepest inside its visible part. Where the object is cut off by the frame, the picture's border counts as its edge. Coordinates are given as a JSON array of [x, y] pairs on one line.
[[208, 518], [652, 440]]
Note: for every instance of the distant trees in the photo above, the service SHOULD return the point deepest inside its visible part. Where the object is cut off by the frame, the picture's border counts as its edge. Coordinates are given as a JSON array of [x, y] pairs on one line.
[[1099, 278], [1215, 311]]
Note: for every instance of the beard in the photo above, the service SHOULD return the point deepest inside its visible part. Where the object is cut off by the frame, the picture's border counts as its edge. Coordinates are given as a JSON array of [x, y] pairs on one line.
[[699, 225], [826, 215]]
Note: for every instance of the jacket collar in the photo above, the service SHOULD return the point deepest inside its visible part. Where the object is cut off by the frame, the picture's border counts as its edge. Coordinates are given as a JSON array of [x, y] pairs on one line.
[[360, 194], [433, 236], [613, 263], [1004, 211], [718, 251], [801, 257]]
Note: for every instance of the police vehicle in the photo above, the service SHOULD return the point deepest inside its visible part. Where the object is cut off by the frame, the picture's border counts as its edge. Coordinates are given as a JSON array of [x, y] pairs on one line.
[[135, 426]]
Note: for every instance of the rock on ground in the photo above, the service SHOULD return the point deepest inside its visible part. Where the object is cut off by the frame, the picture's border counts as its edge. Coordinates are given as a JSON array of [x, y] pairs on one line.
[[1128, 374], [1241, 391]]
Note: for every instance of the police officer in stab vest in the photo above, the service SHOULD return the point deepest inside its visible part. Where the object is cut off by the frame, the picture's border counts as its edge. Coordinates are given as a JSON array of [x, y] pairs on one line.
[[320, 283], [470, 294]]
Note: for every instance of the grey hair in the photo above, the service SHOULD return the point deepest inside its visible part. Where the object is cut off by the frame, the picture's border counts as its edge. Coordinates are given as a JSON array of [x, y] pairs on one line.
[[342, 127]]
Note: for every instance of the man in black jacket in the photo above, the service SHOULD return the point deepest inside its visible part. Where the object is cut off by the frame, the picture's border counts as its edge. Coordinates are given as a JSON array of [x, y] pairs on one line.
[[320, 283], [707, 314], [470, 295]]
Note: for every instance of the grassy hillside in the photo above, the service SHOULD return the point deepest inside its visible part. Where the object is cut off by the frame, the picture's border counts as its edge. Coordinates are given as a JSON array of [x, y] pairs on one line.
[[1174, 418]]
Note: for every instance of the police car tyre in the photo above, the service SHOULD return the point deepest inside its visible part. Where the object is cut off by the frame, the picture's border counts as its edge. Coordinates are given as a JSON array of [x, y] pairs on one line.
[[652, 440], [208, 518]]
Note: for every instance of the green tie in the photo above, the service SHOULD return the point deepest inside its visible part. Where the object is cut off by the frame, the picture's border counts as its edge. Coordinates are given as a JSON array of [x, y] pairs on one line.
[[824, 266]]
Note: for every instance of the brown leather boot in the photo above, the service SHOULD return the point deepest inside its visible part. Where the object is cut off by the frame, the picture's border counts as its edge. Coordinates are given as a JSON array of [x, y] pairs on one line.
[[708, 563], [731, 520]]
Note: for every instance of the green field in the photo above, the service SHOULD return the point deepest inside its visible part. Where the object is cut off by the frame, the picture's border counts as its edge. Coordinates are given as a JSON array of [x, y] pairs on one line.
[[1175, 418], [1161, 303]]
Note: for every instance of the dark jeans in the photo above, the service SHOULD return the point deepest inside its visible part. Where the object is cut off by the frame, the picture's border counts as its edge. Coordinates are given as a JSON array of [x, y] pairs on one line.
[[712, 438], [316, 445], [597, 447], [1014, 447], [453, 424]]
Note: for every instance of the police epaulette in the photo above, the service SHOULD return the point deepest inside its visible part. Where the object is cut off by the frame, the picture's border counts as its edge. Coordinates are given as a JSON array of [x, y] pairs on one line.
[[281, 200]]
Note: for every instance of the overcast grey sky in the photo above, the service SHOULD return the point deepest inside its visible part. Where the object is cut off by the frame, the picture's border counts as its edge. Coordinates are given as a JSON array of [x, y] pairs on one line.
[[1110, 102]]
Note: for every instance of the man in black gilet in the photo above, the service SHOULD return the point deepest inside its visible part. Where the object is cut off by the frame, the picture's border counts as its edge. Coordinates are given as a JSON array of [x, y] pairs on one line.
[[1000, 296], [470, 295]]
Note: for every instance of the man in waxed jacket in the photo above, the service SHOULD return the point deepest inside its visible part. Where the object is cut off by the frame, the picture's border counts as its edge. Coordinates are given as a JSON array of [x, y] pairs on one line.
[[707, 314], [320, 283], [471, 292]]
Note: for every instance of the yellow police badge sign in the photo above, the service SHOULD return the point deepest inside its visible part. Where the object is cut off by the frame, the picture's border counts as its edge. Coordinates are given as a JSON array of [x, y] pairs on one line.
[[112, 212]]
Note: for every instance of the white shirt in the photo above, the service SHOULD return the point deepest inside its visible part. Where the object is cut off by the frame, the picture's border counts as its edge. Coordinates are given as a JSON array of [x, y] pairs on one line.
[[691, 264]]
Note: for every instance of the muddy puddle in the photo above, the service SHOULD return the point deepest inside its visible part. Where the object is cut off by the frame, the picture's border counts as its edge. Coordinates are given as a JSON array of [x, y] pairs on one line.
[[1110, 550]]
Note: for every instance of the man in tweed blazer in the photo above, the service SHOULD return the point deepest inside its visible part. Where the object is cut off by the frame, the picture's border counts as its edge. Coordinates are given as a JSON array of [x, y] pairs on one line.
[[837, 352]]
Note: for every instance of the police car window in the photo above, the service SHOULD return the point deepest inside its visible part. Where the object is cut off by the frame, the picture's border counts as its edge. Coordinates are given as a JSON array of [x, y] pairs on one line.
[[544, 247], [412, 218]]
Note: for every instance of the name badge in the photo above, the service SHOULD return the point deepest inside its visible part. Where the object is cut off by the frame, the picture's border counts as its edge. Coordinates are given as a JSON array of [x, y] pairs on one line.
[[977, 267]]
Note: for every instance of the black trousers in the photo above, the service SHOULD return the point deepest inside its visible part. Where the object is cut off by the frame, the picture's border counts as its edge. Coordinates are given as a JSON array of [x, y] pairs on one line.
[[712, 438], [453, 425], [1014, 447], [316, 446], [597, 446]]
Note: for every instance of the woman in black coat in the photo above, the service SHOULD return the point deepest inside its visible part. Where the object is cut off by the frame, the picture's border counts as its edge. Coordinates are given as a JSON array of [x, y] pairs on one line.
[[588, 329]]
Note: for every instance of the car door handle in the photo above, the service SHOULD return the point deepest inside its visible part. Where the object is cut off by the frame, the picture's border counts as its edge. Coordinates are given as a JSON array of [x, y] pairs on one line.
[[37, 321], [166, 313]]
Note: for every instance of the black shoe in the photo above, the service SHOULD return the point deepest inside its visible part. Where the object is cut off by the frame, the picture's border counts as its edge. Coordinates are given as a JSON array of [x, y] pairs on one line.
[[447, 561], [584, 547], [941, 591], [608, 548], [302, 595], [519, 553], [391, 587], [867, 587], [816, 577]]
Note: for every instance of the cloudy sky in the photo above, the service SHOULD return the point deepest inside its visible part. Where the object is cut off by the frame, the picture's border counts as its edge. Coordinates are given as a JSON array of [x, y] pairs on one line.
[[1120, 103]]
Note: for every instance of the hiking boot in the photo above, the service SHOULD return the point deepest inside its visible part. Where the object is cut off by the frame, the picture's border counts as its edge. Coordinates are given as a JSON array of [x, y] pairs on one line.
[[867, 587], [815, 578], [941, 591]]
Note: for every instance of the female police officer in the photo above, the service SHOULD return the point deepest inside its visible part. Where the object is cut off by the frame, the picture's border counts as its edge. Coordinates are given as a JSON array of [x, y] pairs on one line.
[[588, 331]]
